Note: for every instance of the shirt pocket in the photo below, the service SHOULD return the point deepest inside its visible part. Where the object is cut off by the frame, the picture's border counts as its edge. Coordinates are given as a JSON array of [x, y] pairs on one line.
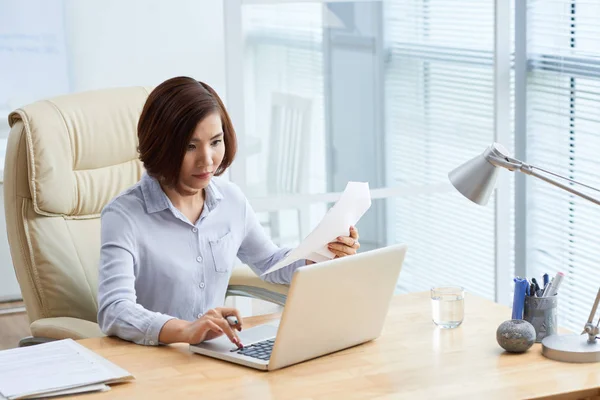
[[222, 252]]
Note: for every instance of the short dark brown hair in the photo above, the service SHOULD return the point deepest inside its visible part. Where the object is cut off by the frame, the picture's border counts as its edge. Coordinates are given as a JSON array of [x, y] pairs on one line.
[[169, 117]]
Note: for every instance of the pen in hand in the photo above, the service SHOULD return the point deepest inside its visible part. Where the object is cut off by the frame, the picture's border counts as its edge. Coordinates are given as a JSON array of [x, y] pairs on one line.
[[233, 321]]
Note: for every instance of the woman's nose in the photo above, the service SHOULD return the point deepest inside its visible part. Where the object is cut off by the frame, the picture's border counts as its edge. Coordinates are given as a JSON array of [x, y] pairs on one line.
[[205, 158]]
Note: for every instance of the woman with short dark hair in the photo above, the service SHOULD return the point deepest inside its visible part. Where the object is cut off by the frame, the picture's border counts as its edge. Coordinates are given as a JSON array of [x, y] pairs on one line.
[[169, 242]]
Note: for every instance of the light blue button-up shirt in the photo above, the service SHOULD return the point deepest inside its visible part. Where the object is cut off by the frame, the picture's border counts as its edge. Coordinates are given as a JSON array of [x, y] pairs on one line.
[[156, 265]]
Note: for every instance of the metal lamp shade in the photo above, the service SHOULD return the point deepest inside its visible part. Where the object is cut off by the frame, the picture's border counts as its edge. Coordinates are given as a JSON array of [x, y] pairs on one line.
[[475, 179]]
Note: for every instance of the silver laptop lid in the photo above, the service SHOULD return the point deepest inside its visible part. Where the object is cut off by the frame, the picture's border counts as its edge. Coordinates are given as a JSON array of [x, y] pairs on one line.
[[337, 304]]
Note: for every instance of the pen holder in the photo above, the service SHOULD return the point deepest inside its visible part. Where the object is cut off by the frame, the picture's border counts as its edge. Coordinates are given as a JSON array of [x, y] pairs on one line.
[[541, 312]]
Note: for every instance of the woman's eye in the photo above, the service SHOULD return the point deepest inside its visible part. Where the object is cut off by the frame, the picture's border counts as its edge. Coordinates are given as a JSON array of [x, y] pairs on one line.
[[216, 142], [191, 147]]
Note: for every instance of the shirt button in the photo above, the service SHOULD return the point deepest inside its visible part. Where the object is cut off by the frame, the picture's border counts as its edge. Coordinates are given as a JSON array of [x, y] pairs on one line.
[[202, 285], [194, 230], [151, 343], [199, 259], [200, 315]]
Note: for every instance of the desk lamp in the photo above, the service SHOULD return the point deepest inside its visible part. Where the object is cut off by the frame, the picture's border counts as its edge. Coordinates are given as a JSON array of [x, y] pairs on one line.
[[475, 180]]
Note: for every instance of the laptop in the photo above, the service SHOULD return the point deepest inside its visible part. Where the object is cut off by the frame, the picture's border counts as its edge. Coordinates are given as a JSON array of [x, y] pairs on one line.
[[330, 306]]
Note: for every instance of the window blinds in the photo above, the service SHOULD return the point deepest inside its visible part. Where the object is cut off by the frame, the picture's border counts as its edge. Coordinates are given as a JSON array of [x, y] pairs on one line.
[[563, 135], [439, 113]]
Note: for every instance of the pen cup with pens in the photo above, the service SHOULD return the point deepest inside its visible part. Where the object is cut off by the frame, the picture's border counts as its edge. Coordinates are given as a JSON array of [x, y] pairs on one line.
[[540, 307], [541, 312]]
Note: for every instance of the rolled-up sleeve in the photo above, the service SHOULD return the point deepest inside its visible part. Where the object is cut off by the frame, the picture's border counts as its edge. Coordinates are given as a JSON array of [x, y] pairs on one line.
[[260, 253], [118, 312]]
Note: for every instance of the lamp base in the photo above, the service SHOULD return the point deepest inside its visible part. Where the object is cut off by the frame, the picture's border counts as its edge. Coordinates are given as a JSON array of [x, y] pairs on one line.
[[571, 348]]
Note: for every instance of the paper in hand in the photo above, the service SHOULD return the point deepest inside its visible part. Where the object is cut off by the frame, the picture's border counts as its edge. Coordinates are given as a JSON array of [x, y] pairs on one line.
[[348, 210]]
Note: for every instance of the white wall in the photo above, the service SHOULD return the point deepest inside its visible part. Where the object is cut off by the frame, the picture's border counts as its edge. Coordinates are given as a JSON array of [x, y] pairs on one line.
[[143, 42], [131, 42]]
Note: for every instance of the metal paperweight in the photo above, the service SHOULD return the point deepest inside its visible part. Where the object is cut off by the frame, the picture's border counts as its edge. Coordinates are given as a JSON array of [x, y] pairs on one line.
[[584, 348]]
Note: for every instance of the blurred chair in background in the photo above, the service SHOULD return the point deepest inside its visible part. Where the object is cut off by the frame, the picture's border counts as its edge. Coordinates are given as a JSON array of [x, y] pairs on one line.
[[287, 164]]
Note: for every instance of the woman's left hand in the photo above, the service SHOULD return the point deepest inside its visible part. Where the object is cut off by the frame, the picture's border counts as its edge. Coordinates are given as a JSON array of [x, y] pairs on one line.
[[345, 245]]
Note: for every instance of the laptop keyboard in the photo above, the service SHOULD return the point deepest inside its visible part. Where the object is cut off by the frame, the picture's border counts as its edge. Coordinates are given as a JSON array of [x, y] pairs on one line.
[[261, 350]]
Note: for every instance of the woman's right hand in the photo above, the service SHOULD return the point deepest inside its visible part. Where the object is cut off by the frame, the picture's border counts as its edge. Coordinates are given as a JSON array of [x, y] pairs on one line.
[[213, 324]]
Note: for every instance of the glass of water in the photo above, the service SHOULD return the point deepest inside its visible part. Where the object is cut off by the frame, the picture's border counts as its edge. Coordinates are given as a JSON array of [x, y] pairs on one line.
[[448, 306]]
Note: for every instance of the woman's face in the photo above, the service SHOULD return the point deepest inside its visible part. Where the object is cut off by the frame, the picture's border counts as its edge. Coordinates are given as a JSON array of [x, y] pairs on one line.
[[203, 155]]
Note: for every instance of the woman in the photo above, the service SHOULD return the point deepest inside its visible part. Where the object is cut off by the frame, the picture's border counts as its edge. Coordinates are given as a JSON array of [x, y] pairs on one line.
[[169, 242]]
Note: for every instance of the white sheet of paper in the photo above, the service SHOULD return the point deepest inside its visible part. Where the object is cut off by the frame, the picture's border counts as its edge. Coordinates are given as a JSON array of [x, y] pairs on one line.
[[354, 202], [54, 366], [101, 387]]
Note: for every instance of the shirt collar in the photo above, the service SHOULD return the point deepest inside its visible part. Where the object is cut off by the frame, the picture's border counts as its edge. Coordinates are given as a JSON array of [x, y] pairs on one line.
[[213, 196], [156, 200]]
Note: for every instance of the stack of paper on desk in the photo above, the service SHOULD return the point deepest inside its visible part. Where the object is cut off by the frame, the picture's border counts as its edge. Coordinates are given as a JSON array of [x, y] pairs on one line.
[[351, 206], [55, 369]]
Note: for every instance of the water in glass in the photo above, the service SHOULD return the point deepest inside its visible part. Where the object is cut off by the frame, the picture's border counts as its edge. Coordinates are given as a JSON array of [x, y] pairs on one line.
[[448, 306]]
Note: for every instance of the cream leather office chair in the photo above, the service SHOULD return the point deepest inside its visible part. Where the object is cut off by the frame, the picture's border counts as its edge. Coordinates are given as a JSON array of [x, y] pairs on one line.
[[66, 158]]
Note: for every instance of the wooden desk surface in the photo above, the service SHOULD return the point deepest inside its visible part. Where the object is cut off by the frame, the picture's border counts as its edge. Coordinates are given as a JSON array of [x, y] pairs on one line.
[[412, 359]]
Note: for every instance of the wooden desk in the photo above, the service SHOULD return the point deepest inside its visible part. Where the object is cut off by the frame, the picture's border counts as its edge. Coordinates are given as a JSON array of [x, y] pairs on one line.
[[412, 359]]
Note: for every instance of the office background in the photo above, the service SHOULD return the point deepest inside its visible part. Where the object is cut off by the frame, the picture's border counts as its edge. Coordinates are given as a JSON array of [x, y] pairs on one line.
[[396, 93]]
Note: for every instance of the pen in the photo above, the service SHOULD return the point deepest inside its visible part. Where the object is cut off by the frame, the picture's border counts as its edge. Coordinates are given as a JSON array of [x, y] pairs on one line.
[[519, 298], [546, 280], [537, 287], [555, 284], [232, 319], [547, 288]]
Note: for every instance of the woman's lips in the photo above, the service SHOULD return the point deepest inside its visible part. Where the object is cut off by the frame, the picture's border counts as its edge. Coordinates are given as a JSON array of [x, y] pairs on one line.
[[205, 175]]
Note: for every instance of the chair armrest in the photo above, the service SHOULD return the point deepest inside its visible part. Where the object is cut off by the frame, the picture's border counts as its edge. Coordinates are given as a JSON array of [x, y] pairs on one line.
[[244, 282], [65, 327]]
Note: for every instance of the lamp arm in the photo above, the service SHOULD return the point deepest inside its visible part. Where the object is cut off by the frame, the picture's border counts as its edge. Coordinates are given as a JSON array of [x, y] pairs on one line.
[[529, 170], [516, 165], [589, 327], [509, 163]]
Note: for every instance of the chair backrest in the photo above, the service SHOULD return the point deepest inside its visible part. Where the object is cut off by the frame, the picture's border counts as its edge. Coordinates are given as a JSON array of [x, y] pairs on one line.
[[289, 144], [67, 157]]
